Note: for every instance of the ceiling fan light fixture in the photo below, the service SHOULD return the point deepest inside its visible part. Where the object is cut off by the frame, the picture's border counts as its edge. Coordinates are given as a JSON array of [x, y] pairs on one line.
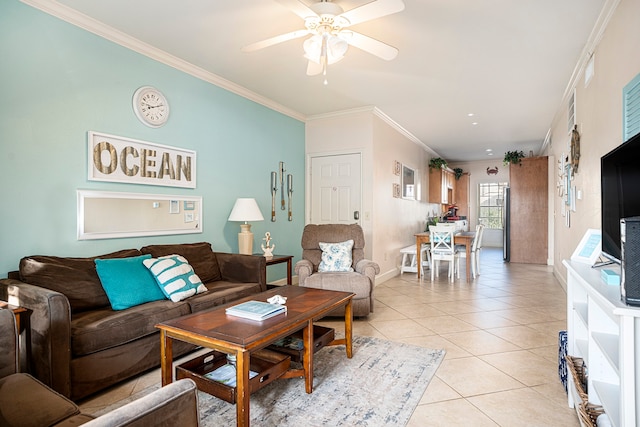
[[335, 47]]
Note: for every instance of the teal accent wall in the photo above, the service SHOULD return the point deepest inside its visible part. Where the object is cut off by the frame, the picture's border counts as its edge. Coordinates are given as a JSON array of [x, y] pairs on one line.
[[57, 82]]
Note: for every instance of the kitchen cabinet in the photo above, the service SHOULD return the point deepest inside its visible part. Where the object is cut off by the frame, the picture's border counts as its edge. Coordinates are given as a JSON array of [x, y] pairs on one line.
[[461, 195], [529, 212], [441, 186]]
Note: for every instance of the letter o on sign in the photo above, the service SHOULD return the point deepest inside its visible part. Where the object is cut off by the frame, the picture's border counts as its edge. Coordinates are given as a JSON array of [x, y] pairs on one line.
[[97, 157]]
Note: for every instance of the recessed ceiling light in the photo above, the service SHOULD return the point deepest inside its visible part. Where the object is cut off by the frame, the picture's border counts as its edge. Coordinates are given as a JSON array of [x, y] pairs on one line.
[[475, 123], [470, 115], [490, 154], [488, 150]]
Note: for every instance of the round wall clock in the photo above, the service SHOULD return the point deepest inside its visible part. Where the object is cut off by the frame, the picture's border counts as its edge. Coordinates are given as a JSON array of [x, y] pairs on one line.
[[150, 106]]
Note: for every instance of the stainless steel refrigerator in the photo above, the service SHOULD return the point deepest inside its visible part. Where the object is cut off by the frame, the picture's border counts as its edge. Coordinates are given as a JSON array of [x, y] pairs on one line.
[[506, 220]]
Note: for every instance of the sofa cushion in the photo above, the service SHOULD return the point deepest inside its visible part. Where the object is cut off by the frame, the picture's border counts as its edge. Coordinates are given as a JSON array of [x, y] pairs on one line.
[[175, 277], [97, 330], [336, 256], [200, 256], [128, 282], [76, 278], [222, 292]]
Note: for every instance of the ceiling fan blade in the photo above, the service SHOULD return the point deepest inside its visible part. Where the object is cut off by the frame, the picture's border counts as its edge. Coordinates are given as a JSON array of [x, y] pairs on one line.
[[373, 10], [297, 7], [372, 46], [313, 68], [275, 40]]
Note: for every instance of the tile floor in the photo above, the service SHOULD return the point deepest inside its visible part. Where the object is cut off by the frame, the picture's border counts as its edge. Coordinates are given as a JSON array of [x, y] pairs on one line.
[[500, 332]]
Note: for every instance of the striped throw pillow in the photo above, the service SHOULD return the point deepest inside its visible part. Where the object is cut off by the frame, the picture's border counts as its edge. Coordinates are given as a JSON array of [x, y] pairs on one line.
[[175, 276]]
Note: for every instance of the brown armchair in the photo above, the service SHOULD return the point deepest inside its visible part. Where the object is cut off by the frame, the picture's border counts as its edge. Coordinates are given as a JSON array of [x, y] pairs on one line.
[[26, 402], [360, 281]]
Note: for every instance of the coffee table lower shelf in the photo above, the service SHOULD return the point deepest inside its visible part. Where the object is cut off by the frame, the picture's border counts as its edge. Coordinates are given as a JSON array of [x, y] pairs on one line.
[[292, 345], [270, 366]]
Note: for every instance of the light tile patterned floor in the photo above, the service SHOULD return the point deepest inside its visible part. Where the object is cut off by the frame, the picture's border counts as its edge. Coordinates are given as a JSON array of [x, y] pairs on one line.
[[500, 332]]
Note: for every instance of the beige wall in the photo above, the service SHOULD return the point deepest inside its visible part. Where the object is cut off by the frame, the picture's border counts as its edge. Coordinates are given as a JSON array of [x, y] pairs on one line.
[[389, 223], [599, 118]]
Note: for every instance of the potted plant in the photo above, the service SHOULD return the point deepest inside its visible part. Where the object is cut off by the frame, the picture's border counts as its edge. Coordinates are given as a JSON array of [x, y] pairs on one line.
[[514, 157], [458, 173], [431, 221], [437, 163]]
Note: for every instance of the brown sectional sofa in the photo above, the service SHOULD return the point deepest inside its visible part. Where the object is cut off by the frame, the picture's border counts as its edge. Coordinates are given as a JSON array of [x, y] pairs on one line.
[[78, 345]]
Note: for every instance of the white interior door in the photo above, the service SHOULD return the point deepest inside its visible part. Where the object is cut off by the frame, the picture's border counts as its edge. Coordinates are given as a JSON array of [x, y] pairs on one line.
[[336, 184]]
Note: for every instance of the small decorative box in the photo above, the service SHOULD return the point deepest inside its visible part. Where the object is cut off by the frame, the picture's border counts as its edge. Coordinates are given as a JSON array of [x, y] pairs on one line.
[[610, 277]]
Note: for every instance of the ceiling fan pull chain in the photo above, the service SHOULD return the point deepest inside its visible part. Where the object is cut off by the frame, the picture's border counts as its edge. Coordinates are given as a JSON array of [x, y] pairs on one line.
[[323, 57]]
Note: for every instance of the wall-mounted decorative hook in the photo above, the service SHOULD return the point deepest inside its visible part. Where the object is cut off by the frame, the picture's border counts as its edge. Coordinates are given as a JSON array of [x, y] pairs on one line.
[[274, 189], [290, 191]]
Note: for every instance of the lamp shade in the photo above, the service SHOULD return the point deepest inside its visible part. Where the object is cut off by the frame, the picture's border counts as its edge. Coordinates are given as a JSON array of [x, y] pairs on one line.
[[246, 209]]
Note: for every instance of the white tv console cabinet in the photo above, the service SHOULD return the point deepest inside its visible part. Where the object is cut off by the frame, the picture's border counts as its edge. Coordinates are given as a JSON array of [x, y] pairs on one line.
[[605, 332]]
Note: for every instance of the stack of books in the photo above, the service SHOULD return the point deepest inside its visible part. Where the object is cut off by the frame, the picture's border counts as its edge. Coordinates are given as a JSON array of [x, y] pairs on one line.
[[256, 310]]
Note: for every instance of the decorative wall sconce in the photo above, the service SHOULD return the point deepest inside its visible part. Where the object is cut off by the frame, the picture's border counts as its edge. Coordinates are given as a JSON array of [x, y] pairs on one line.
[[290, 191], [275, 176]]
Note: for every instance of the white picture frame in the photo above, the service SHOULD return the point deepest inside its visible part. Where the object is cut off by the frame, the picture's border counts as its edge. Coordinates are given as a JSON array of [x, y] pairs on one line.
[[589, 248], [408, 183]]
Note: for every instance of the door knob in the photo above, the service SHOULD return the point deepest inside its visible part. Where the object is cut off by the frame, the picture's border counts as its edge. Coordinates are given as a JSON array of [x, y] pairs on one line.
[[356, 215]]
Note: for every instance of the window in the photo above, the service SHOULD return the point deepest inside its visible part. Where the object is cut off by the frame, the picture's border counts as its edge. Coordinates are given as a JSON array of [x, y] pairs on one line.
[[490, 204]]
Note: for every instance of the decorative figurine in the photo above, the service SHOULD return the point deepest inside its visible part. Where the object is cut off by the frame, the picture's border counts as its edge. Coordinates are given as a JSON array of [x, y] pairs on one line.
[[268, 248]]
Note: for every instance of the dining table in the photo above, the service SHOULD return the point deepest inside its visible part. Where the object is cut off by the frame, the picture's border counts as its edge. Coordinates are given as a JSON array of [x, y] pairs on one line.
[[463, 238]]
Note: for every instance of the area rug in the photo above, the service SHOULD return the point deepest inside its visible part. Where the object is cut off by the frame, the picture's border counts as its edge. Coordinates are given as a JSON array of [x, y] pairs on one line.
[[380, 386]]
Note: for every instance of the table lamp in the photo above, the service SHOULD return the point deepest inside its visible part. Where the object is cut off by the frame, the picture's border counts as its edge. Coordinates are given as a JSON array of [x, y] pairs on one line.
[[245, 210]]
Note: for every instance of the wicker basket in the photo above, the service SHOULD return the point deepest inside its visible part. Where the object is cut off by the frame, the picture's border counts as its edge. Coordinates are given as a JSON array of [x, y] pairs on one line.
[[575, 365], [588, 413]]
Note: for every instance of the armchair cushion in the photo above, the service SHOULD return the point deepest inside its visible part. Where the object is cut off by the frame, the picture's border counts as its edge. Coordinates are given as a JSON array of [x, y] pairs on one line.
[[127, 282], [336, 256], [26, 402], [357, 283], [175, 277]]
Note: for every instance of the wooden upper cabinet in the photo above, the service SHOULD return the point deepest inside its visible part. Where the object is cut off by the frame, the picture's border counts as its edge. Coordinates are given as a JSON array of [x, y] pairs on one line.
[[461, 194], [441, 186], [529, 210], [435, 185]]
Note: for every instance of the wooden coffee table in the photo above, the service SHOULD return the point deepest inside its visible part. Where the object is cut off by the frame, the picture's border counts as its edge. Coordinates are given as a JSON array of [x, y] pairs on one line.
[[233, 335]]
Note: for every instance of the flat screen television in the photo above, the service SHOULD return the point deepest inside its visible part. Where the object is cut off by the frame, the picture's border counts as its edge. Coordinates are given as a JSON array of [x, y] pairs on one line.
[[620, 193]]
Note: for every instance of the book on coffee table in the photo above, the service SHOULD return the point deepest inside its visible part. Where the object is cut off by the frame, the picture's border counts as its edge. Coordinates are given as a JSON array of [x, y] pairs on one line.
[[256, 310]]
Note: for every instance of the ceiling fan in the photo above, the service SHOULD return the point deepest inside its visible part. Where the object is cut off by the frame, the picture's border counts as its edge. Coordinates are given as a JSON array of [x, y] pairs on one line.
[[327, 24]]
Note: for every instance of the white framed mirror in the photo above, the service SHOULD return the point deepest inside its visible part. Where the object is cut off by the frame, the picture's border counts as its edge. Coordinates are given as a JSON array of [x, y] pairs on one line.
[[110, 215], [408, 183]]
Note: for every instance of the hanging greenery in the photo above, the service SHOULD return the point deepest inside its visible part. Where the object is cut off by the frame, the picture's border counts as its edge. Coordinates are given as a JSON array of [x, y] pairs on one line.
[[437, 163], [513, 157], [458, 173]]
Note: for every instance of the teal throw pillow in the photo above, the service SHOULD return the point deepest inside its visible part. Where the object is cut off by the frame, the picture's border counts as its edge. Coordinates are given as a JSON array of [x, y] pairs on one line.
[[127, 282], [175, 276], [336, 256]]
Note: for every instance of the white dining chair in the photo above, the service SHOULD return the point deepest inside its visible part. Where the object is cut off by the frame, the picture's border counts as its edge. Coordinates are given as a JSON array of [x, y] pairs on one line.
[[462, 252], [479, 235], [443, 249]]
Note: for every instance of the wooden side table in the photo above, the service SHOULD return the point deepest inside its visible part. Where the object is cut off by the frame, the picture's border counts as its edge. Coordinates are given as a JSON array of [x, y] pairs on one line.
[[17, 311], [279, 259]]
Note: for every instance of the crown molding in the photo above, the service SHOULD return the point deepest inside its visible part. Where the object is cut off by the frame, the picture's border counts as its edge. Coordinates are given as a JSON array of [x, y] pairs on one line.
[[381, 115], [98, 28]]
